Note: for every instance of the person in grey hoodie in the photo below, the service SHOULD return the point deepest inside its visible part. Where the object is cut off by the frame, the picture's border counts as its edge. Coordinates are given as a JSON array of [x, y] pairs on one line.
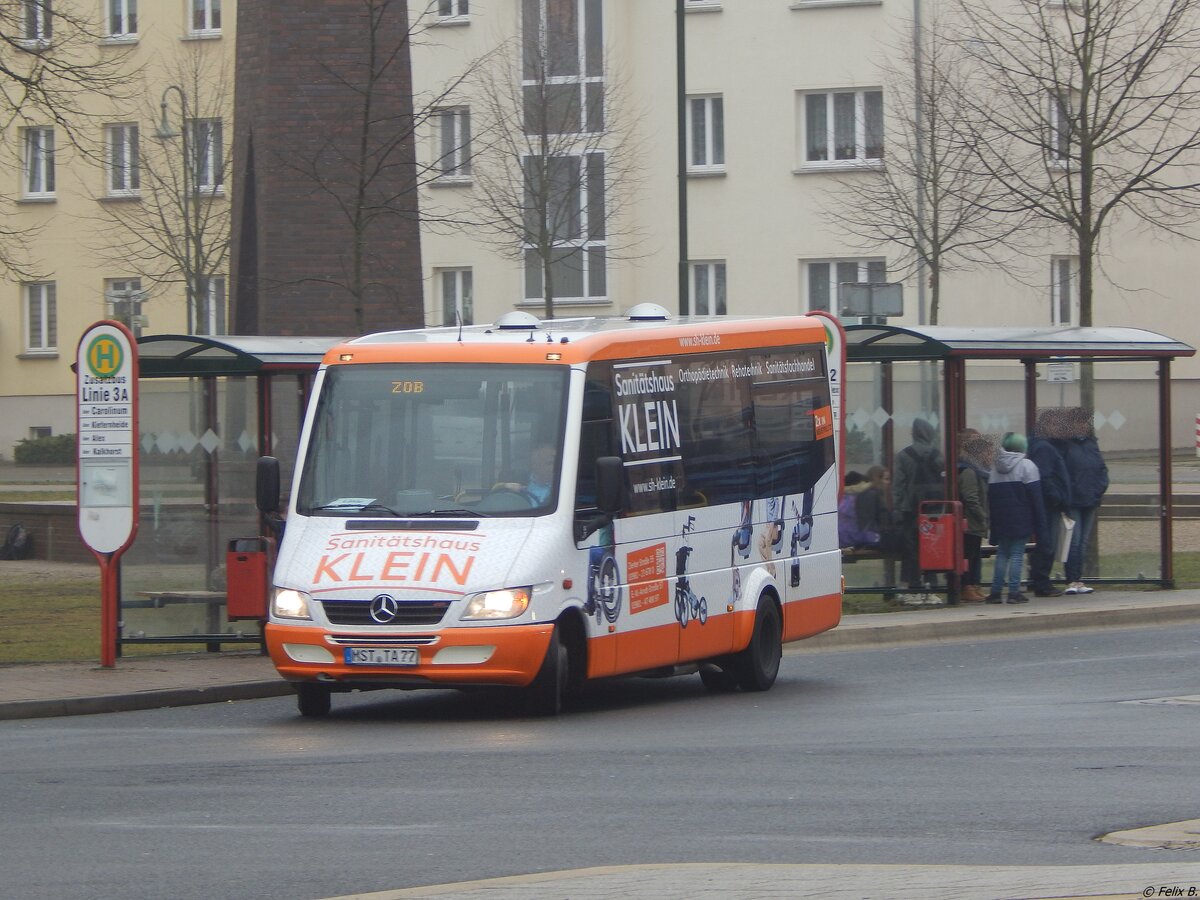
[[1017, 513]]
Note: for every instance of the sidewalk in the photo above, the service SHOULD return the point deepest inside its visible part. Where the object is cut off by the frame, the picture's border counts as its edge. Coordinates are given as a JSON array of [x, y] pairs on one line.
[[36, 690]]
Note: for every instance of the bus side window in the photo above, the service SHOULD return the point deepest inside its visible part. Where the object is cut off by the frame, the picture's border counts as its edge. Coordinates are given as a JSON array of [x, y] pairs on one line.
[[595, 435]]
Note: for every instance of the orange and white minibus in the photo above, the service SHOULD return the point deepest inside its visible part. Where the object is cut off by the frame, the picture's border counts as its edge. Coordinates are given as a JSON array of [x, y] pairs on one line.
[[541, 503]]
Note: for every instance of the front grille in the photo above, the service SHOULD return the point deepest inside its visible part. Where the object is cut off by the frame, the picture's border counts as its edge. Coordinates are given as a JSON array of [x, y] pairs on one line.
[[411, 612]]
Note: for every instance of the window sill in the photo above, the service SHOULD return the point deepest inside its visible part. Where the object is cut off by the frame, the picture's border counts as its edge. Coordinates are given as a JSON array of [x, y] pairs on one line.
[[201, 36], [831, 4], [215, 193], [39, 354], [848, 165], [38, 198], [714, 6], [122, 197], [451, 181], [706, 173], [452, 22], [33, 45], [118, 40]]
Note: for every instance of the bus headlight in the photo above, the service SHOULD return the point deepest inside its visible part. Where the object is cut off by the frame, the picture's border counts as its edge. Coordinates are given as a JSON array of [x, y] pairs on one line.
[[289, 604], [506, 604]]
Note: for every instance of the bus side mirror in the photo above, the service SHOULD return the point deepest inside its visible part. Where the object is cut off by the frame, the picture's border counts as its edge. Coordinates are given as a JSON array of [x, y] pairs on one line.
[[608, 484], [266, 484]]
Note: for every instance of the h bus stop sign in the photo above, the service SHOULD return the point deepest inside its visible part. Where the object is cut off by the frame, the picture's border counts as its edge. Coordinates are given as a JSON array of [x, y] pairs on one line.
[[106, 394]]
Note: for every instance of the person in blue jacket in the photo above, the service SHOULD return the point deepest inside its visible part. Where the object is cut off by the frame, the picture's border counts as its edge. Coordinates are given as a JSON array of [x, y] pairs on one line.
[[1016, 512], [1056, 495], [1089, 481]]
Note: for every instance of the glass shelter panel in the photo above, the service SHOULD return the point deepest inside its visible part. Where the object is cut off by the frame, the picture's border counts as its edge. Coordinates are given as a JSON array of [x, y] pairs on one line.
[[198, 454], [882, 401]]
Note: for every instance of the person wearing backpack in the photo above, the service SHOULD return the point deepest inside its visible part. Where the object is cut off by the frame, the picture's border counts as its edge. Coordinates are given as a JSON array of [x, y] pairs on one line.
[[919, 476]]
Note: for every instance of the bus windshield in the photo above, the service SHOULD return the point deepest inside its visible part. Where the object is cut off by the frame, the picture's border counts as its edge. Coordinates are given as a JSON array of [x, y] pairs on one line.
[[435, 439]]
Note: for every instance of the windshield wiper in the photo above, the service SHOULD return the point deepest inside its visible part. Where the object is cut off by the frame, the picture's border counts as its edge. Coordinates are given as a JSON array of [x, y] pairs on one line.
[[449, 514], [356, 507]]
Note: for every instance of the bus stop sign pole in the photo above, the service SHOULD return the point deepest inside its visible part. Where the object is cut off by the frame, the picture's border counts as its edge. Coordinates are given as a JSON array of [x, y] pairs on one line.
[[106, 470]]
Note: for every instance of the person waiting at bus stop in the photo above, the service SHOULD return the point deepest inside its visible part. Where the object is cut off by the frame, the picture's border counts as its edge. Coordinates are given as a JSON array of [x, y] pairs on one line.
[[919, 475], [1015, 505], [975, 454], [1056, 495]]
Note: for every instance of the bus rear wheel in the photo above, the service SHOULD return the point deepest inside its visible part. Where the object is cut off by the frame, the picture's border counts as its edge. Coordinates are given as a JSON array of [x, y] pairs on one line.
[[757, 666], [313, 700]]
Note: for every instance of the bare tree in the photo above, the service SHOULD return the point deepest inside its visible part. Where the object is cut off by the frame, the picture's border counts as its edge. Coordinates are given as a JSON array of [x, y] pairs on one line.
[[925, 199], [175, 228], [51, 70], [1084, 111], [556, 163]]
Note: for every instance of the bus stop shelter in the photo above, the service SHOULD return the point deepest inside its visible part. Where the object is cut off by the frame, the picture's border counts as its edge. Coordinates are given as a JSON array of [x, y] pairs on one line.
[[210, 406], [998, 379]]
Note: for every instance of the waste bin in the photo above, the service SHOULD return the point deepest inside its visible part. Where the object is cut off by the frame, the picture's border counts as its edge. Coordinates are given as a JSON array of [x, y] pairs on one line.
[[940, 528], [246, 578]]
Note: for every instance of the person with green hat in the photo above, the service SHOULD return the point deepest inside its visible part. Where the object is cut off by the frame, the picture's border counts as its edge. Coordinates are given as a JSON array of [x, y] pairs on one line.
[[1017, 514]]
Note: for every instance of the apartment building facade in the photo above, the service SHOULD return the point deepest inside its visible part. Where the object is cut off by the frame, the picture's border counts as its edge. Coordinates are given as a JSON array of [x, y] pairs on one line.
[[785, 100], [120, 210]]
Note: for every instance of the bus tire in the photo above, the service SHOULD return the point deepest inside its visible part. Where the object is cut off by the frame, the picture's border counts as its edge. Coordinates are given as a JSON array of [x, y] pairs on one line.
[[545, 693], [313, 700], [757, 666]]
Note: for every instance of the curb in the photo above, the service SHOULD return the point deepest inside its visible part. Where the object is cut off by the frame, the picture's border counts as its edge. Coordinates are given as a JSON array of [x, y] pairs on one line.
[[849, 636], [87, 706]]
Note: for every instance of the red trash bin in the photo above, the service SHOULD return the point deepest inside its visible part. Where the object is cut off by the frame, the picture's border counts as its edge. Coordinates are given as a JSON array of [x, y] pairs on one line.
[[940, 528], [246, 579]]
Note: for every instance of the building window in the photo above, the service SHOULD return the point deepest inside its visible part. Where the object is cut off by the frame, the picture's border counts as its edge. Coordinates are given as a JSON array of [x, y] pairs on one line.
[[453, 142], [207, 154], [569, 192], [38, 24], [458, 296], [706, 133], [1064, 290], [453, 9], [708, 288], [123, 299], [41, 318], [39, 162], [122, 18], [1061, 128], [843, 127], [822, 278], [40, 431], [563, 66], [210, 306], [123, 160], [206, 16]]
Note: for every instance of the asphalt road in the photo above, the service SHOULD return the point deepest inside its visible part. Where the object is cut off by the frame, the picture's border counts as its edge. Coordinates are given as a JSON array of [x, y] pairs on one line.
[[994, 753]]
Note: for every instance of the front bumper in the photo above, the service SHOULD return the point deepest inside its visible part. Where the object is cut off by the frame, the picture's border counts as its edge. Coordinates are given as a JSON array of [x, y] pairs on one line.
[[448, 657]]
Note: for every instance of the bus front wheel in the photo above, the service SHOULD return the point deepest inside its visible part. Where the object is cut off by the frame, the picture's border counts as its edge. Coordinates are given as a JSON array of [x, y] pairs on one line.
[[545, 693], [757, 666], [313, 700]]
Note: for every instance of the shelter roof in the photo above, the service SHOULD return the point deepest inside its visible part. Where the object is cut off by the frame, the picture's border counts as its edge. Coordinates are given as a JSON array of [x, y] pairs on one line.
[[893, 342], [182, 355]]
